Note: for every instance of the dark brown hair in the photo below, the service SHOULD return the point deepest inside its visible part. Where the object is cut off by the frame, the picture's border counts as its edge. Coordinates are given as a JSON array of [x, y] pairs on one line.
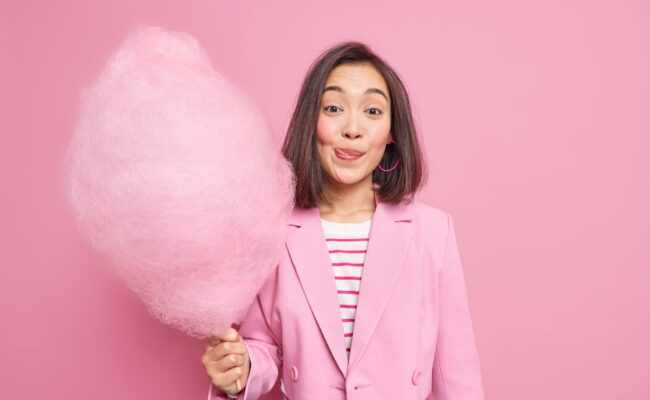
[[300, 146]]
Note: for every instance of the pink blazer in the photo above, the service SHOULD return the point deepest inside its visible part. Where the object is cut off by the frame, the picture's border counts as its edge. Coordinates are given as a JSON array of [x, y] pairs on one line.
[[413, 333]]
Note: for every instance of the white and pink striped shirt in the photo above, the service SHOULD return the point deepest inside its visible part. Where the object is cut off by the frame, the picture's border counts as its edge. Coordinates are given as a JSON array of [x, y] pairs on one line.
[[347, 244]]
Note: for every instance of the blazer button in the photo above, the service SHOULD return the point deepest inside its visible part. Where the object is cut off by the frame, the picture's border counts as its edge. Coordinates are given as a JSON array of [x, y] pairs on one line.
[[417, 375], [294, 373]]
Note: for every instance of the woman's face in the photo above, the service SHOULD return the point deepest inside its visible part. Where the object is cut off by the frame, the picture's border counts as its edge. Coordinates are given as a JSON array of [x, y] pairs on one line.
[[354, 115]]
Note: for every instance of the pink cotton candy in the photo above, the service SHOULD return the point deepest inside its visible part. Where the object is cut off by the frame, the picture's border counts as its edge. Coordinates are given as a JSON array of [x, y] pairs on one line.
[[174, 177]]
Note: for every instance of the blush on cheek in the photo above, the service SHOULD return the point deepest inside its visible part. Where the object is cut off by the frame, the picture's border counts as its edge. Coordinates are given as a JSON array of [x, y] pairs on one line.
[[379, 139], [325, 134]]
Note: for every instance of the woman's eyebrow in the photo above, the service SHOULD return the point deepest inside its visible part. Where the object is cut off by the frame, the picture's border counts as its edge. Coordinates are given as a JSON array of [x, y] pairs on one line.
[[370, 90]]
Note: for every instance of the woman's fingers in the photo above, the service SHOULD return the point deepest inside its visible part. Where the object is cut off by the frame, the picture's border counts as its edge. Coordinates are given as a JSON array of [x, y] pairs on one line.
[[231, 335], [226, 380], [224, 358], [230, 361], [213, 341], [225, 348]]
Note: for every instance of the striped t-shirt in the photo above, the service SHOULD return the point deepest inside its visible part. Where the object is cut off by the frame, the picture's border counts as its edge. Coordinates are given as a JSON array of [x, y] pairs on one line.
[[347, 244]]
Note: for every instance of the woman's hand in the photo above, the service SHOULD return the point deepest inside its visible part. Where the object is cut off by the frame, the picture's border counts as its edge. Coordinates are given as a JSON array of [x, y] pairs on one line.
[[226, 360]]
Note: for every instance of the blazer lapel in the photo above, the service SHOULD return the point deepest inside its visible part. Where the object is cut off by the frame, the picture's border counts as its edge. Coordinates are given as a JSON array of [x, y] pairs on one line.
[[390, 234]]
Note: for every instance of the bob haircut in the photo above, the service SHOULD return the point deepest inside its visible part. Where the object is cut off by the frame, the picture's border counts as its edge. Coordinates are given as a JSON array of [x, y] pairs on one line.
[[300, 147]]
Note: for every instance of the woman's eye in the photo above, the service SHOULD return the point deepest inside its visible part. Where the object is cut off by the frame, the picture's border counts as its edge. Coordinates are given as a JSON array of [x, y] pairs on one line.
[[328, 108], [376, 109]]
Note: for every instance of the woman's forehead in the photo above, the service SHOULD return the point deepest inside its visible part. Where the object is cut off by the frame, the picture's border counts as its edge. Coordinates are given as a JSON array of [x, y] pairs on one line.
[[355, 79]]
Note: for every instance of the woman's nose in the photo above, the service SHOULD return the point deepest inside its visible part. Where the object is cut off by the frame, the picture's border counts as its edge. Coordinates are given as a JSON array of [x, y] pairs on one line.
[[352, 126]]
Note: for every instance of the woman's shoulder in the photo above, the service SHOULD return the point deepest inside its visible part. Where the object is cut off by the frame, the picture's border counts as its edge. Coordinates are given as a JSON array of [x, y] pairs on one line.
[[434, 224], [430, 213]]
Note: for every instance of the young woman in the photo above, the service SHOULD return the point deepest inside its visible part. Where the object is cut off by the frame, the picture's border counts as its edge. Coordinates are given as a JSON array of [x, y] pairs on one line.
[[368, 300]]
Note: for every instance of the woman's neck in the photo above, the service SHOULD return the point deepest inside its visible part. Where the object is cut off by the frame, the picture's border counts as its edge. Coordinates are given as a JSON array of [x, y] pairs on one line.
[[349, 203]]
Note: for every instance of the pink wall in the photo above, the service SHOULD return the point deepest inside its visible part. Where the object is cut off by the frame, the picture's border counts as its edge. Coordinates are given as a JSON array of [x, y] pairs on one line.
[[535, 117]]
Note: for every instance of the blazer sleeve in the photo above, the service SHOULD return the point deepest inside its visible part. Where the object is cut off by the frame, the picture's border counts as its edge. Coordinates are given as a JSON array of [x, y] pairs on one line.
[[263, 349], [456, 366]]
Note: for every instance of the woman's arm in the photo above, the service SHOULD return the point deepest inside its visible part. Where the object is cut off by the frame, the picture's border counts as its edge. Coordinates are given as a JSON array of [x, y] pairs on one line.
[[456, 367], [263, 350]]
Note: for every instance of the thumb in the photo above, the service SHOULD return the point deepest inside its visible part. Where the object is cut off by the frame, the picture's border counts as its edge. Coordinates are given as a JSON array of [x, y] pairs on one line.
[[237, 337], [232, 335], [229, 335]]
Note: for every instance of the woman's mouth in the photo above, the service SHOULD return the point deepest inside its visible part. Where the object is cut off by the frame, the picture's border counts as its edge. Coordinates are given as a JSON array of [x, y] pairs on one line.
[[347, 155]]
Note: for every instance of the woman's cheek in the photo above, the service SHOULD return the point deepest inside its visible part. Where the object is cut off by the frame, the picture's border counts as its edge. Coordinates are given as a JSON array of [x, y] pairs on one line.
[[379, 133], [378, 140], [325, 132]]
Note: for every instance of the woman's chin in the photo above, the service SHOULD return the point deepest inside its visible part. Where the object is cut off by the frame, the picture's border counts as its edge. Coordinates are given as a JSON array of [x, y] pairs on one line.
[[346, 179]]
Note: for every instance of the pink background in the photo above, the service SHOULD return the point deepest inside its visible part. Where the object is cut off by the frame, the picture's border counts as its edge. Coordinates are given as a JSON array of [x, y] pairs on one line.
[[535, 118]]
